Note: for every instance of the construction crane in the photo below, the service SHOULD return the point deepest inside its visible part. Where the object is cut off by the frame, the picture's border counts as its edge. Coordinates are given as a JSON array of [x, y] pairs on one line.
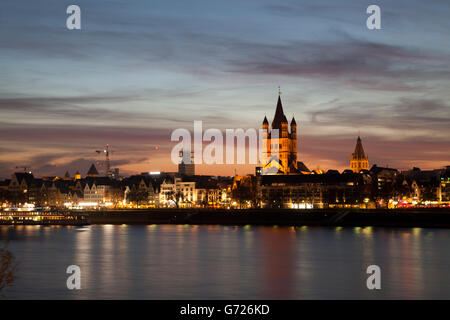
[[106, 151], [24, 168]]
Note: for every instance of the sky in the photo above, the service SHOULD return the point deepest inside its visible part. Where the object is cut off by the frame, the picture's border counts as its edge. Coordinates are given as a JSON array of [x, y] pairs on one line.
[[138, 70]]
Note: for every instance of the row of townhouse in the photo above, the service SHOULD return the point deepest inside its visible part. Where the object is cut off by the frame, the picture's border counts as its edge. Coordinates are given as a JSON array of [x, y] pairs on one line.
[[377, 187], [57, 192], [428, 185], [141, 190]]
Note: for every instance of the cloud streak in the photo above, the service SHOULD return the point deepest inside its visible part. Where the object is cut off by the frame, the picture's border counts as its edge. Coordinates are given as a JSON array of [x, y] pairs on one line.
[[406, 115], [359, 63]]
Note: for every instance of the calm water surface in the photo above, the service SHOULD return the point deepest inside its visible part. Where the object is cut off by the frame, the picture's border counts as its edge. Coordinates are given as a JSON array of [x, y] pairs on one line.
[[222, 262]]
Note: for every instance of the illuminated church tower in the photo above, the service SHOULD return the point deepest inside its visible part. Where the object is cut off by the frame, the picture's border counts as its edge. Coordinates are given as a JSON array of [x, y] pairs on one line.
[[359, 161], [279, 145]]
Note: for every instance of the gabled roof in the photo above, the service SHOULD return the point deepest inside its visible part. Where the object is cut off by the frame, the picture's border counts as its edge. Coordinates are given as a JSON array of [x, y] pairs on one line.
[[28, 177], [376, 169], [76, 193], [154, 182], [92, 171], [301, 166]]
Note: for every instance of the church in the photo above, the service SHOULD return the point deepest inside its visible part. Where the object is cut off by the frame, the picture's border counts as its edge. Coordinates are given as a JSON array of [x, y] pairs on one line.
[[279, 144], [279, 147]]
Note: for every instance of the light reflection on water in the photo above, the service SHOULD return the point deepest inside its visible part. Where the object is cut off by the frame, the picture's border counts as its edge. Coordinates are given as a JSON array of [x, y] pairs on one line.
[[228, 262]]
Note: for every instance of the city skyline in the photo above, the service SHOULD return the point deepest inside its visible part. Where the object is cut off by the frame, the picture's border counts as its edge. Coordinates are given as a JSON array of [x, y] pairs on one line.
[[133, 74]]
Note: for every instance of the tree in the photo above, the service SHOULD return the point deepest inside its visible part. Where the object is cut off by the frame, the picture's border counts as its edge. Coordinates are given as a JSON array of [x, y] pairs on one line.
[[275, 198], [176, 197], [116, 195], [138, 196], [17, 197], [8, 268], [246, 191]]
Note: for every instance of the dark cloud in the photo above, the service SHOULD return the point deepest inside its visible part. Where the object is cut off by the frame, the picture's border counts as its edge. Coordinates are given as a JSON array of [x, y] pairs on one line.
[[359, 63], [410, 115], [108, 107], [295, 9], [45, 104], [47, 135]]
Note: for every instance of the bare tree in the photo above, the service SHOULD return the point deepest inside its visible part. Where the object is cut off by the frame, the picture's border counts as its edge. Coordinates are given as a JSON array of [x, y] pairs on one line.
[[8, 268], [176, 197]]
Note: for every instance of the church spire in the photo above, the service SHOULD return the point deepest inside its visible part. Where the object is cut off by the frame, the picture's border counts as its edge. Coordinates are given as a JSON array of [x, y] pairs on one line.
[[279, 117], [359, 150]]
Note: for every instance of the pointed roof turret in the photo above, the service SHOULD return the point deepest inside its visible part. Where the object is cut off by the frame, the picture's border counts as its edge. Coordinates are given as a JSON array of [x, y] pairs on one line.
[[293, 121], [67, 175], [359, 150], [92, 171], [265, 121]]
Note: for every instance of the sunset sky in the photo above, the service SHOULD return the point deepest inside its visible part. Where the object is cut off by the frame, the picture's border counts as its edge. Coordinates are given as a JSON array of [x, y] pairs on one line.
[[140, 69]]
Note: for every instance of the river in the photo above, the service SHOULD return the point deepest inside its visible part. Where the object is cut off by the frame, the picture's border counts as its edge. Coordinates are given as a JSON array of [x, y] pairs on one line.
[[226, 262]]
